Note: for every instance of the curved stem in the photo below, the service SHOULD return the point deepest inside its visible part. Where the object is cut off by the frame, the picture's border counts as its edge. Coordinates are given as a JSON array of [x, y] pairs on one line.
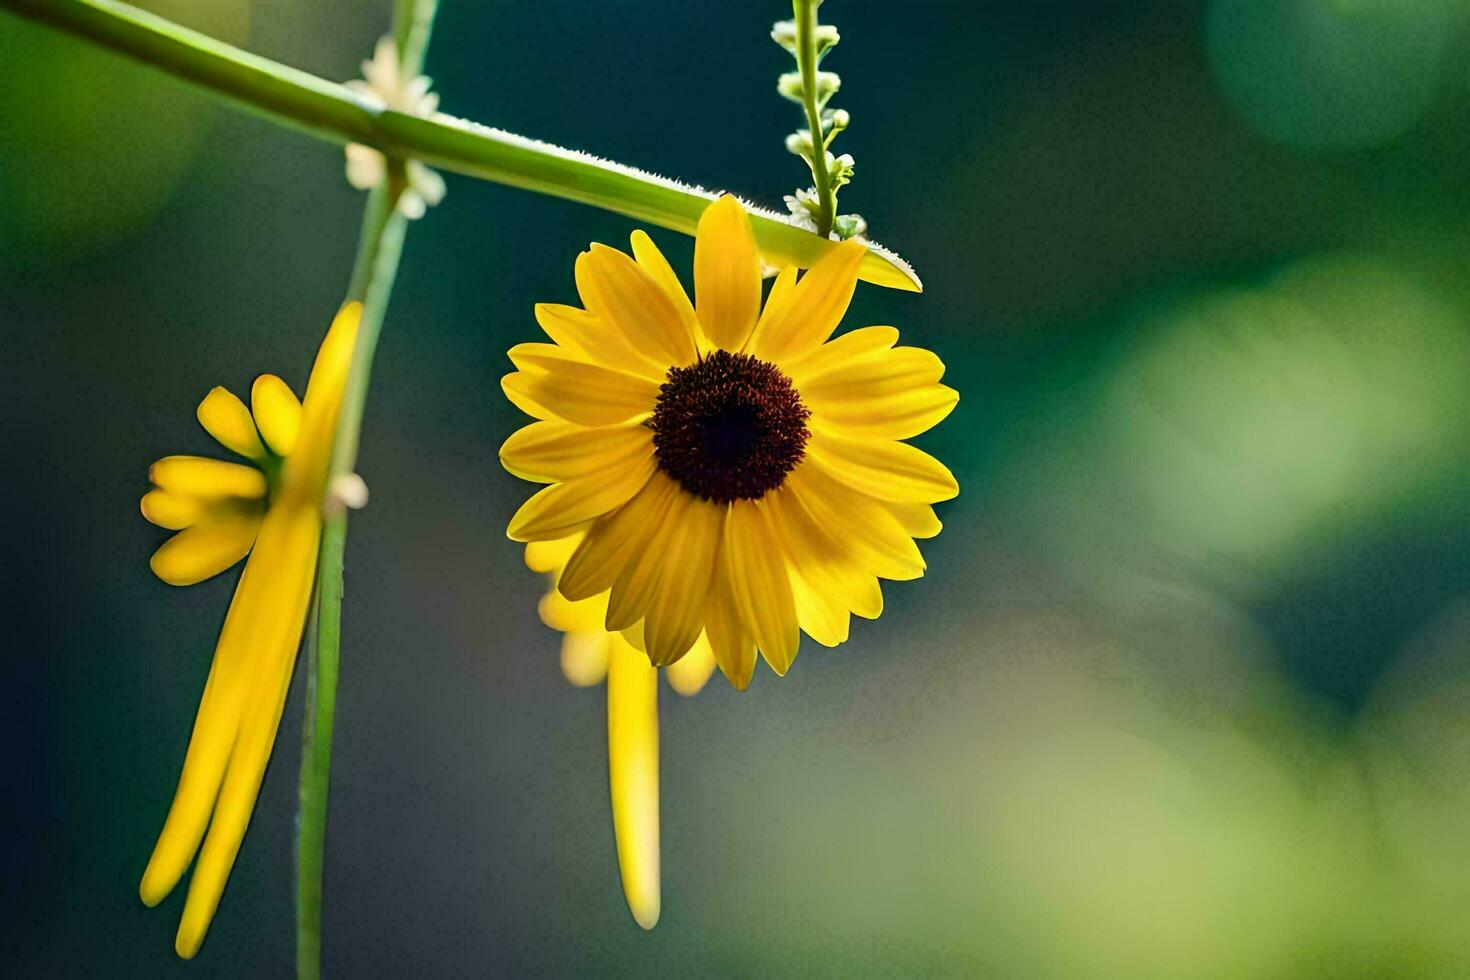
[[329, 111], [806, 60]]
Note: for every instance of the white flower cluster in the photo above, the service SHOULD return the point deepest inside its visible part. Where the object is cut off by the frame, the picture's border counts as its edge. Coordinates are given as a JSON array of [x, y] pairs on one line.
[[384, 84]]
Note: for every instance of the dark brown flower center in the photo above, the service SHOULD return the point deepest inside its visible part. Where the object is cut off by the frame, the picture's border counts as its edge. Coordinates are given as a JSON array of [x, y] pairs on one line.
[[729, 427]]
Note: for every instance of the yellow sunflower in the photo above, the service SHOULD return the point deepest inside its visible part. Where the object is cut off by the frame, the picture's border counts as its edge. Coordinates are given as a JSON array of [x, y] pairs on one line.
[[736, 471], [270, 509], [589, 653]]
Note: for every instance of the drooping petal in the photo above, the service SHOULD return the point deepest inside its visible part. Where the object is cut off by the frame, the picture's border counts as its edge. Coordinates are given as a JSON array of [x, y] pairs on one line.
[[198, 476], [581, 392], [676, 617], [225, 417], [691, 672], [814, 308], [615, 288], [277, 413], [882, 468], [305, 473], [273, 615], [760, 584], [652, 261], [204, 550], [550, 451], [632, 742], [580, 332], [556, 510], [551, 556], [612, 541], [727, 274]]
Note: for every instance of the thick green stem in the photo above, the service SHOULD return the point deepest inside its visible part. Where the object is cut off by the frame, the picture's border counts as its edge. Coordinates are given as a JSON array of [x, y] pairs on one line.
[[806, 60], [329, 111]]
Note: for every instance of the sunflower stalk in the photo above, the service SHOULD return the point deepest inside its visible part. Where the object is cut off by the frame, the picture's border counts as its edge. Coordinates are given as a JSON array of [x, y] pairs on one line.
[[329, 111], [380, 247]]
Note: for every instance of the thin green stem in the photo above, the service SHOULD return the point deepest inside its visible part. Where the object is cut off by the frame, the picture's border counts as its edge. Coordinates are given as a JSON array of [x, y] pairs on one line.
[[331, 112], [805, 12]]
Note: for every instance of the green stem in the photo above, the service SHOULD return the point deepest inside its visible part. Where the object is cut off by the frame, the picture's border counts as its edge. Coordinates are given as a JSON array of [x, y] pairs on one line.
[[379, 249], [329, 111], [805, 12]]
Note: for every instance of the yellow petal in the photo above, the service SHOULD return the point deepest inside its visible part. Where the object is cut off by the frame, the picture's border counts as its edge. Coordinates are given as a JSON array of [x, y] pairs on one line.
[[274, 614], [692, 671], [561, 613], [855, 345], [882, 468], [554, 511], [614, 540], [900, 415], [826, 581], [652, 261], [305, 474], [730, 644], [550, 451], [918, 520], [277, 413], [584, 657], [820, 615], [637, 584], [815, 306], [632, 764], [760, 584], [868, 532], [227, 419], [580, 332], [775, 309], [615, 288], [551, 556], [727, 274], [174, 511], [676, 617], [517, 388], [581, 392], [204, 550], [197, 476]]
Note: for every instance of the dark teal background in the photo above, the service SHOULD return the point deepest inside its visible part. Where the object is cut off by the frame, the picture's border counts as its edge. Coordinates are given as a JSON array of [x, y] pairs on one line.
[[1180, 695]]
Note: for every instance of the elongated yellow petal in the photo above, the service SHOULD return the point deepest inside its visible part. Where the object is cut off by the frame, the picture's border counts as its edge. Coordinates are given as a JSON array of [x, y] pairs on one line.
[[305, 473], [652, 261], [584, 657], [899, 415], [617, 289], [612, 542], [551, 451], [580, 392], [204, 550], [637, 584], [882, 468], [692, 671], [277, 413], [632, 764], [580, 332], [868, 531], [676, 616], [225, 417], [730, 644], [855, 345], [814, 308], [517, 388], [198, 476], [556, 510], [878, 372], [273, 612], [174, 511], [760, 584], [727, 274], [775, 308]]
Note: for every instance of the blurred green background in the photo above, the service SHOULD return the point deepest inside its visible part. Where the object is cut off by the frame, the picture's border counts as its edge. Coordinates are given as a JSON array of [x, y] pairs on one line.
[[1186, 692]]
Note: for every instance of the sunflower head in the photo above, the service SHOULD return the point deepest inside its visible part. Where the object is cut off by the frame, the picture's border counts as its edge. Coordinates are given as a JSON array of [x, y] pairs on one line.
[[723, 471]]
